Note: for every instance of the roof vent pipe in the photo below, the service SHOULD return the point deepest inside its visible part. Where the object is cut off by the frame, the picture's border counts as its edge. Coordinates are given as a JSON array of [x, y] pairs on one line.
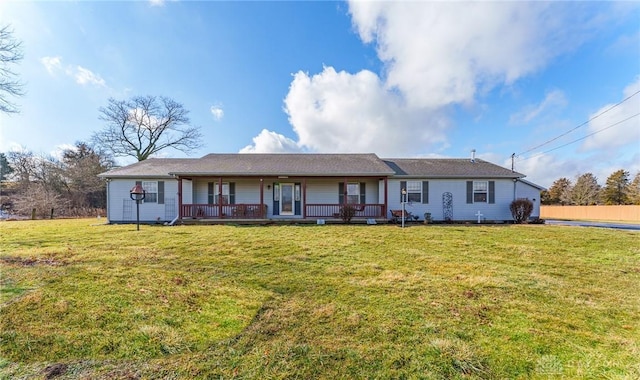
[[473, 155]]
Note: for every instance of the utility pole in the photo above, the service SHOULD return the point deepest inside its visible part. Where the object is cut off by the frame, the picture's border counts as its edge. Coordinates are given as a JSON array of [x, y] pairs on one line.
[[513, 159]]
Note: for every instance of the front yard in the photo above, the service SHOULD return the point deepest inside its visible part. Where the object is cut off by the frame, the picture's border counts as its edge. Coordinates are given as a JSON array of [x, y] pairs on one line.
[[85, 300]]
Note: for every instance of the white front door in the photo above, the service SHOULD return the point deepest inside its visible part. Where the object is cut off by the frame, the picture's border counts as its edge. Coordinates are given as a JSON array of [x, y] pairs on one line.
[[286, 199]]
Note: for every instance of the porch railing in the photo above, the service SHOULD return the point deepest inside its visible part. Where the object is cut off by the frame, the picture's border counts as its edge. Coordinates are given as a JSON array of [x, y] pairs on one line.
[[235, 211], [319, 210]]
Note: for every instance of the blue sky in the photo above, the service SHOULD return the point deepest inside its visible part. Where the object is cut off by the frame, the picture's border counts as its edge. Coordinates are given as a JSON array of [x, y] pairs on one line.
[[399, 79]]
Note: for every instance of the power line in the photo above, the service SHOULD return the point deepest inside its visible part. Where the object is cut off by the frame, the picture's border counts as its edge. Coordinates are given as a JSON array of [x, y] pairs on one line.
[[582, 138], [579, 126]]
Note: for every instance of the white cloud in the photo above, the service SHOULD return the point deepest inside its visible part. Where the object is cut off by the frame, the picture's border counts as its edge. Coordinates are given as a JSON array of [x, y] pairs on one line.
[[156, 3], [82, 76], [85, 76], [341, 112], [610, 130], [435, 55], [52, 64], [552, 100], [441, 53], [271, 142], [217, 112]]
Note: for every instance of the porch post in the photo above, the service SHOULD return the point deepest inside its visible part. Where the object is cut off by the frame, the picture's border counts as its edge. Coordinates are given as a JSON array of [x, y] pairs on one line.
[[304, 198], [386, 197], [220, 199], [346, 191], [262, 199], [180, 198]]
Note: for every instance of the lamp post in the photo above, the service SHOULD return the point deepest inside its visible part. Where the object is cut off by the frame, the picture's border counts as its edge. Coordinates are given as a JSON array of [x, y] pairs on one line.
[[137, 194], [404, 200]]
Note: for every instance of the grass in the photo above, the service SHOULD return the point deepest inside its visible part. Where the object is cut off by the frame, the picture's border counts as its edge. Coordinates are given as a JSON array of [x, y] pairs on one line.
[[86, 301]]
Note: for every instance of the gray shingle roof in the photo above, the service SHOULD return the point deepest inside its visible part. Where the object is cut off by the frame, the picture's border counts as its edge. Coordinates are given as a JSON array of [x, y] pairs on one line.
[[150, 168], [310, 165], [287, 164], [448, 168]]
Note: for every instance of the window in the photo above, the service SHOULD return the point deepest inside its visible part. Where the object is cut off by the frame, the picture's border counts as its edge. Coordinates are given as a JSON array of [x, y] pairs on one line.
[[213, 193], [414, 191], [353, 193], [417, 191], [151, 191], [480, 190]]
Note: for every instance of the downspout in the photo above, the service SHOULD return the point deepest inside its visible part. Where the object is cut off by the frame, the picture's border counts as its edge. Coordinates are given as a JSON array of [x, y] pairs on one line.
[[515, 182]]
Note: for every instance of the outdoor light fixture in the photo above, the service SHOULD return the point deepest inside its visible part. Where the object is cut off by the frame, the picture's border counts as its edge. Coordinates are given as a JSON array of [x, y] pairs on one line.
[[137, 194], [404, 200]]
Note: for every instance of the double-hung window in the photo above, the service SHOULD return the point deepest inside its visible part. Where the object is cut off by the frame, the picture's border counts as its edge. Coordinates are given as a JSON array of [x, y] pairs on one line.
[[414, 191], [480, 191], [417, 191], [213, 196], [353, 193], [151, 191]]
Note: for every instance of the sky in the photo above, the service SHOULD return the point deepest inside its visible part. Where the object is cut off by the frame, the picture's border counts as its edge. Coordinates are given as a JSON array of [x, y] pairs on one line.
[[555, 84]]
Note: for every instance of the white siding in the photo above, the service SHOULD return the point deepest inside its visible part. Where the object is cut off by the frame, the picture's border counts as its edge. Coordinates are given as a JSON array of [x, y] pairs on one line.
[[122, 209], [498, 211]]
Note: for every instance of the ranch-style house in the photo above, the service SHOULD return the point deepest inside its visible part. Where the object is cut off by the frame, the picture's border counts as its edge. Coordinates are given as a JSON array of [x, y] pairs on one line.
[[314, 187]]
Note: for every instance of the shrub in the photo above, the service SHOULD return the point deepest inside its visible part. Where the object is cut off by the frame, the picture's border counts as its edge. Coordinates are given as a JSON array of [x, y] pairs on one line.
[[347, 212], [521, 210]]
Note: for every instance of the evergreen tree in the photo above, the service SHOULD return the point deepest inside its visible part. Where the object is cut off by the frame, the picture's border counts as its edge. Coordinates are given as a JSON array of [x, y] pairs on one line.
[[634, 190], [616, 189], [560, 191], [586, 190], [5, 168]]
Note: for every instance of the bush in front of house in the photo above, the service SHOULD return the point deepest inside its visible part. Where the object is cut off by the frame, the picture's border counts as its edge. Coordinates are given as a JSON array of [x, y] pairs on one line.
[[347, 212], [521, 210]]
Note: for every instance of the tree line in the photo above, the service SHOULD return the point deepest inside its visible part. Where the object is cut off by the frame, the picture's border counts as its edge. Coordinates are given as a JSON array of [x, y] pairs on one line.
[[66, 186], [618, 189], [69, 186]]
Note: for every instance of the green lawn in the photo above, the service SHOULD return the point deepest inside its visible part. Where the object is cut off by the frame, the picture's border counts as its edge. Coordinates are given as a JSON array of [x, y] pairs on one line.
[[84, 300]]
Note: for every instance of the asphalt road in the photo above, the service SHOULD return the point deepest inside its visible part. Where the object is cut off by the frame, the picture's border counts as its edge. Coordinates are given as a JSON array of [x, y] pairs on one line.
[[621, 226]]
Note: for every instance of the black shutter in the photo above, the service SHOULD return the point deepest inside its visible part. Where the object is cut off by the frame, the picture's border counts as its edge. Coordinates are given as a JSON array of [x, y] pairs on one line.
[[297, 204], [340, 192], [425, 191], [469, 191], [403, 185], [160, 192], [492, 191], [232, 193], [210, 193], [276, 203], [363, 193]]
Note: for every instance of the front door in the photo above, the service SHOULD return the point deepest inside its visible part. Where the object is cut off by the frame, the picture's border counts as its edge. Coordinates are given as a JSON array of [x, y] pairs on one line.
[[286, 199]]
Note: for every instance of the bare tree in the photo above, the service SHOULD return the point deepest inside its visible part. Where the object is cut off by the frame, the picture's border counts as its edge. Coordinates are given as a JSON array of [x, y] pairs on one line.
[[10, 54], [145, 125]]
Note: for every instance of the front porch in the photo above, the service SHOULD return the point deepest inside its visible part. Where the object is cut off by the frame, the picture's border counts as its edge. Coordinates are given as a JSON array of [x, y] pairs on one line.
[[281, 198], [256, 211]]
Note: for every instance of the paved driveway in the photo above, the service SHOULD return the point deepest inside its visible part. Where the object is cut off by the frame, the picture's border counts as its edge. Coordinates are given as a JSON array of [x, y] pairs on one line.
[[621, 226]]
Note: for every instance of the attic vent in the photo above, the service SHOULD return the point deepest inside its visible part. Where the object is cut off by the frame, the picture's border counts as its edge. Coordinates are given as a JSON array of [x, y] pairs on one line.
[[473, 155]]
